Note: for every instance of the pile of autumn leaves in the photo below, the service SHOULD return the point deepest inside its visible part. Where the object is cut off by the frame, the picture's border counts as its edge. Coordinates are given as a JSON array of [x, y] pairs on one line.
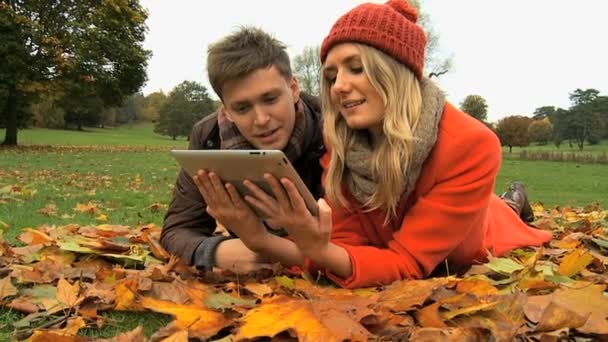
[[64, 278]]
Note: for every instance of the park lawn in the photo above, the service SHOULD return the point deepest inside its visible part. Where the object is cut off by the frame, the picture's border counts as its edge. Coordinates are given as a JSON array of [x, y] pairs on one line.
[[602, 147], [136, 134], [133, 187]]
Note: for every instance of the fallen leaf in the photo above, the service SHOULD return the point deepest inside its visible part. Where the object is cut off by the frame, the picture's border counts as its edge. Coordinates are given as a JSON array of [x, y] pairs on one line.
[[574, 262], [67, 294], [199, 321], [7, 288], [409, 294]]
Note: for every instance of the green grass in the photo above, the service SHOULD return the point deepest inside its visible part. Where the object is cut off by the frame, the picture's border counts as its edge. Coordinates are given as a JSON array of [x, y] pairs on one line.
[[133, 187], [138, 134], [557, 183], [602, 147]]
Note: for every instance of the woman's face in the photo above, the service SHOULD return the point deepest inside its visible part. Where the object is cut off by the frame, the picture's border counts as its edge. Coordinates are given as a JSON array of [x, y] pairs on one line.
[[350, 90]]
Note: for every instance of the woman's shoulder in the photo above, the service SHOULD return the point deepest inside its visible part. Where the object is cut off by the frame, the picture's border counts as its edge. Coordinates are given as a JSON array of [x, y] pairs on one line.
[[456, 126]]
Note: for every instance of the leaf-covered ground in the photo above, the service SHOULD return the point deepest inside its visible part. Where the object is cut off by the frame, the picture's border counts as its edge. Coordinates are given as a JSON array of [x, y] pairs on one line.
[[64, 276]]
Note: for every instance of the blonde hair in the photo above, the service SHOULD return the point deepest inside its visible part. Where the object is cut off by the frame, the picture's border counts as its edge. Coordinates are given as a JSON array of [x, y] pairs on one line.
[[400, 91]]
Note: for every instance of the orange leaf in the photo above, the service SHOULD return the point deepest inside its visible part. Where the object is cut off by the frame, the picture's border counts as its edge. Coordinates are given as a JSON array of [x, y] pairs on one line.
[[574, 262], [198, 320], [300, 317], [67, 294], [46, 336], [480, 288], [125, 294], [7, 288], [34, 237], [428, 316]]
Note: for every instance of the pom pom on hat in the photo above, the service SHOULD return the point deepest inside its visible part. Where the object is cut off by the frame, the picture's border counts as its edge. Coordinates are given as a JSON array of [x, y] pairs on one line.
[[390, 28]]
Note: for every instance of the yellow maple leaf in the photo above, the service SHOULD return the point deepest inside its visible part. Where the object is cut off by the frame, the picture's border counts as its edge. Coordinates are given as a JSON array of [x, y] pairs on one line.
[[199, 320], [574, 262], [102, 218]]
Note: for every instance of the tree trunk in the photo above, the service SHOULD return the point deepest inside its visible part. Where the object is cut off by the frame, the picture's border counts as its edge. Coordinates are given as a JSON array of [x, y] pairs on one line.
[[510, 148], [79, 119], [10, 138]]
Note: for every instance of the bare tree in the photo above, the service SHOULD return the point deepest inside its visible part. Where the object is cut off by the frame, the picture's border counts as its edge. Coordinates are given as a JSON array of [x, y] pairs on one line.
[[435, 62], [307, 68]]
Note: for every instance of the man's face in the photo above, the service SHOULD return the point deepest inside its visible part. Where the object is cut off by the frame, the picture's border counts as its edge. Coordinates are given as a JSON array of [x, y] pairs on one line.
[[262, 107]]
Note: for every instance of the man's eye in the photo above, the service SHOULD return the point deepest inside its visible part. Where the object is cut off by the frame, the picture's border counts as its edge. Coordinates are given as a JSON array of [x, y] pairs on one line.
[[241, 110], [272, 99]]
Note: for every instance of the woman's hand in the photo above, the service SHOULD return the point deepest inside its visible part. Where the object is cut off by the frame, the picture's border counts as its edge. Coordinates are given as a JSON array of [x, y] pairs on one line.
[[288, 210], [224, 203]]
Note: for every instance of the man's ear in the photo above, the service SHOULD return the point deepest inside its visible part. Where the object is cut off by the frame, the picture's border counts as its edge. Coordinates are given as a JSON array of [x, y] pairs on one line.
[[226, 112], [295, 88]]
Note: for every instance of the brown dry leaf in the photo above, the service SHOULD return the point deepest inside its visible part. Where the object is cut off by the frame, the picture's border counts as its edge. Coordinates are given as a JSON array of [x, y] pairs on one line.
[[180, 336], [67, 294], [450, 334], [157, 250], [503, 321], [89, 208], [135, 335], [574, 262], [259, 289], [409, 294], [25, 305], [49, 210], [200, 322], [7, 288], [556, 317]]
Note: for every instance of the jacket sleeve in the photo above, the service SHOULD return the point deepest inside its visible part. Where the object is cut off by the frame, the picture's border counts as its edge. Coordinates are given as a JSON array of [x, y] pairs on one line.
[[454, 210], [186, 223]]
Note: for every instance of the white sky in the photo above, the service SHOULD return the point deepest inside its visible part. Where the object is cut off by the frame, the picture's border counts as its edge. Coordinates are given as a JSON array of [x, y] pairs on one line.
[[517, 54]]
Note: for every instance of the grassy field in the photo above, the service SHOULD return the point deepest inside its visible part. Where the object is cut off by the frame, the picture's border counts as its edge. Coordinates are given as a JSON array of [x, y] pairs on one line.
[[131, 187], [602, 147], [138, 134]]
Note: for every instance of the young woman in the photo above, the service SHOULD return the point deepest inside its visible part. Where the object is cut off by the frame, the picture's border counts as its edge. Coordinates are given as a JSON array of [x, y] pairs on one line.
[[408, 177]]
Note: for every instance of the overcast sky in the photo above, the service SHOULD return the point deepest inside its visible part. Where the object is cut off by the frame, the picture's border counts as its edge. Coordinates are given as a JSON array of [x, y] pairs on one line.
[[517, 54]]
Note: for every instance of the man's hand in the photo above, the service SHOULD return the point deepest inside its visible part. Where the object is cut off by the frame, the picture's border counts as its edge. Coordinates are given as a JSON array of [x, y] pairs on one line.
[[225, 204], [233, 255]]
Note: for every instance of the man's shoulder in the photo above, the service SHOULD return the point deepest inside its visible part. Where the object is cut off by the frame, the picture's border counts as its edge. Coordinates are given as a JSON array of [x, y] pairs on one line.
[[312, 101], [203, 132]]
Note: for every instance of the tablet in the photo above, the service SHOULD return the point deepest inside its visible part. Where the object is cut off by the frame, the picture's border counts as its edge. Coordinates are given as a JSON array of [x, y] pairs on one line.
[[234, 166]]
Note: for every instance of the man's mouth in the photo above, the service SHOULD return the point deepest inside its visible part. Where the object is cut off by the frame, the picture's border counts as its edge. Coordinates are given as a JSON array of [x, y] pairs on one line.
[[268, 133]]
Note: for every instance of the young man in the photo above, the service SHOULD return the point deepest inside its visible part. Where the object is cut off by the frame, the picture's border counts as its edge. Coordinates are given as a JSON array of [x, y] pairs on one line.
[[262, 108]]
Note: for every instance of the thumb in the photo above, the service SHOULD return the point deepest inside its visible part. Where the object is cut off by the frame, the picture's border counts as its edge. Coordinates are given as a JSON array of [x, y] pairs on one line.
[[324, 214]]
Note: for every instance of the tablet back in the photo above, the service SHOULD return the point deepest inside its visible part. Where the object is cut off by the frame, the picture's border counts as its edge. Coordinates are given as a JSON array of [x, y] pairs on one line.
[[234, 166]]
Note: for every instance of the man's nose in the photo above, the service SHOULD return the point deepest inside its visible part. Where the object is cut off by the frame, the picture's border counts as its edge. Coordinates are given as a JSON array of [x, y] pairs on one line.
[[261, 116]]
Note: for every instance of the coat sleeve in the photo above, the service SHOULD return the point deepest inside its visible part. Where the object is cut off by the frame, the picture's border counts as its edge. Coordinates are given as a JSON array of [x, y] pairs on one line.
[[186, 224], [454, 210]]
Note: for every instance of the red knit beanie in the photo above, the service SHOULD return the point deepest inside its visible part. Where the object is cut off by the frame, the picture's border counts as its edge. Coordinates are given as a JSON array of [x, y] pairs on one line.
[[390, 28]]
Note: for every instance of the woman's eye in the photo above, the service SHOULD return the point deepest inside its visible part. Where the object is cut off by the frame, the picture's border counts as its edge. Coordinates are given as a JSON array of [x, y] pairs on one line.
[[357, 70]]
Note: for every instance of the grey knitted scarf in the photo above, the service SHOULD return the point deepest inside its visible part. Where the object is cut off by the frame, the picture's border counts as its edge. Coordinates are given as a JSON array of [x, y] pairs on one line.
[[359, 177]]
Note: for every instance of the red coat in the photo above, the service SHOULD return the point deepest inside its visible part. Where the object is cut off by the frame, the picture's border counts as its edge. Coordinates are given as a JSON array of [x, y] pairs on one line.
[[452, 214]]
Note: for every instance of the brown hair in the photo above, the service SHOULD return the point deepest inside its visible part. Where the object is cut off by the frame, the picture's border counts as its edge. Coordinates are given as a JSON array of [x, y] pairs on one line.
[[243, 52]]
